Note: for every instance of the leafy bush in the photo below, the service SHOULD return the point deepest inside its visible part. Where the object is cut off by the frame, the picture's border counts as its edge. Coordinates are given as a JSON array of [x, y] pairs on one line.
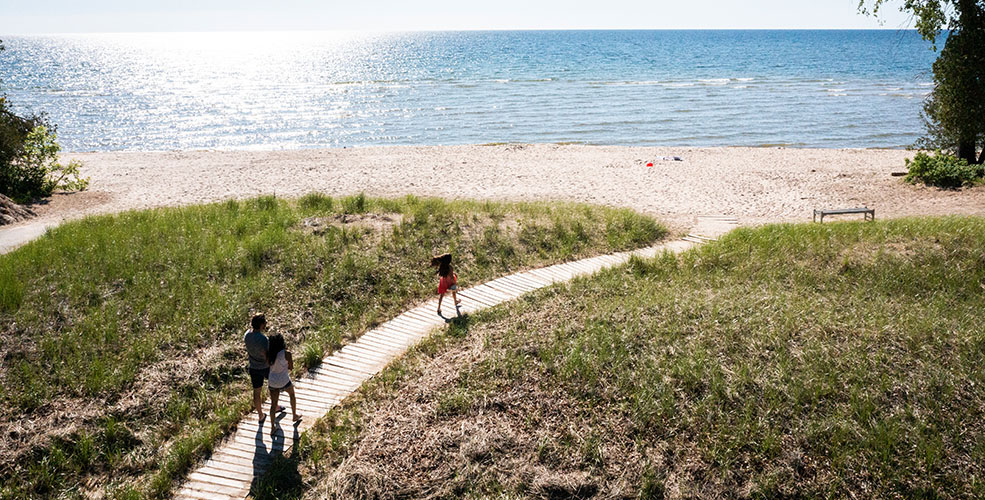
[[36, 172], [29, 165], [13, 131], [943, 170]]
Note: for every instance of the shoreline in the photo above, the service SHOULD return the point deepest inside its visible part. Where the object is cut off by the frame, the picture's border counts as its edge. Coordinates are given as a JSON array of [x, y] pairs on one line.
[[755, 184], [800, 146]]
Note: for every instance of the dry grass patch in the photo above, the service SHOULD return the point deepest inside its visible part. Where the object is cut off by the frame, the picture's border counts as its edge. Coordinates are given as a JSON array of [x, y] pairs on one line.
[[376, 223], [434, 432]]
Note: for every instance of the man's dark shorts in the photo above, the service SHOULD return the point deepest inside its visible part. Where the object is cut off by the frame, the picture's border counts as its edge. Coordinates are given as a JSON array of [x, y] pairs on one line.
[[257, 377]]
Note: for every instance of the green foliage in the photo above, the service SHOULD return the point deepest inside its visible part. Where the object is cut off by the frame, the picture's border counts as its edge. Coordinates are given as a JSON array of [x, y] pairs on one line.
[[943, 170], [13, 133], [36, 172], [953, 111], [97, 308], [11, 290], [354, 204], [931, 16], [312, 354], [316, 202], [29, 165]]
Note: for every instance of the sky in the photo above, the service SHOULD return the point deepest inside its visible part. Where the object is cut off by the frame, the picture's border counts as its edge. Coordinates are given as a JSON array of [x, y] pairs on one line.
[[98, 16]]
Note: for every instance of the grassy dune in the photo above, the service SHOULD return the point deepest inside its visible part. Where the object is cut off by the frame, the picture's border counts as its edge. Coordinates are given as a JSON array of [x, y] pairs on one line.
[[121, 359], [837, 360]]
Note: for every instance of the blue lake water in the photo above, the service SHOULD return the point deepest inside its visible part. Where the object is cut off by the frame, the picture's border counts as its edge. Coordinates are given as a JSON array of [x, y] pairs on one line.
[[177, 91]]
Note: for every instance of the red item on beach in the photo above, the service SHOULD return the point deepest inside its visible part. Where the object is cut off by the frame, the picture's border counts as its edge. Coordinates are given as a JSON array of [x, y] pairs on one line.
[[649, 164], [447, 281]]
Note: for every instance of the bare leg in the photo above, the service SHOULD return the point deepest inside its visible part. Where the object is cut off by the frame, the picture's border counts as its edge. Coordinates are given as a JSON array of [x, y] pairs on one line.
[[258, 402], [274, 394], [454, 295], [440, 297], [294, 404]]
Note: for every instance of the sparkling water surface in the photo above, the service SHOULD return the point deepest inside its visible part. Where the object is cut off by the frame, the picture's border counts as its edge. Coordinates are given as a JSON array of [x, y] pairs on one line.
[[180, 91]]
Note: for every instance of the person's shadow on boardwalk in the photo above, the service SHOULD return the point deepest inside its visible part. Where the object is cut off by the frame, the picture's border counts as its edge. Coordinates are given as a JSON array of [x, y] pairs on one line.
[[274, 475], [458, 314], [262, 456]]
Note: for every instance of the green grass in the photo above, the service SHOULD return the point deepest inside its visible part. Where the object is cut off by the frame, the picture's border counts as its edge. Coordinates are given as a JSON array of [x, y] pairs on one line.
[[832, 360], [122, 362]]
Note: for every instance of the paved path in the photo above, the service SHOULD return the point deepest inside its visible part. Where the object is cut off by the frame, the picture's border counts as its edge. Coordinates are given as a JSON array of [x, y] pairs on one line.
[[11, 238], [241, 458]]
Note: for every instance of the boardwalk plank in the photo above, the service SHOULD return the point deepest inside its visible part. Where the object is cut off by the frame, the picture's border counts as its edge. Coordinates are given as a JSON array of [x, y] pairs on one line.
[[359, 360], [375, 342], [215, 489], [405, 321], [519, 284], [191, 494], [515, 287], [532, 281], [498, 295], [357, 355], [541, 274], [367, 351], [478, 296], [350, 364], [217, 480], [334, 386], [382, 339], [402, 328], [244, 470], [343, 374], [427, 319]]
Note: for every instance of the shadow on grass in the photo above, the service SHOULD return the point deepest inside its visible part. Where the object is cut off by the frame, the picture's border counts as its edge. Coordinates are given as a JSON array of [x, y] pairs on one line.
[[459, 326]]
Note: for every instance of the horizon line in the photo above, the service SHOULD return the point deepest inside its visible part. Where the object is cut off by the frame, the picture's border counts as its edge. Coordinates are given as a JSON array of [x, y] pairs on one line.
[[437, 30]]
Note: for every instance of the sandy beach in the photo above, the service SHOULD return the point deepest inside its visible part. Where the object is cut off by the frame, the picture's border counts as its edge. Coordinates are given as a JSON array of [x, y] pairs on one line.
[[757, 185]]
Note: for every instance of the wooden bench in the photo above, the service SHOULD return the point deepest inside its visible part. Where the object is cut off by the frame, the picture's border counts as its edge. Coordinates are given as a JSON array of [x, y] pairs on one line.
[[870, 213]]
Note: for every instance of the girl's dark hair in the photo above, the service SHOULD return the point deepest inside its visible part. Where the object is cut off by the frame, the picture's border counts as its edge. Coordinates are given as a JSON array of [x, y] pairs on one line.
[[443, 262], [275, 345]]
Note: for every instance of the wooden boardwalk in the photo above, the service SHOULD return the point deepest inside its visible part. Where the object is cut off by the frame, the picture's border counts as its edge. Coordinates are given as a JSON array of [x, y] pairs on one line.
[[242, 457]]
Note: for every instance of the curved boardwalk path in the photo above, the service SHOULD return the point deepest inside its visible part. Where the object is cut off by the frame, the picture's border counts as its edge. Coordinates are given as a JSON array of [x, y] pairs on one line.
[[242, 457]]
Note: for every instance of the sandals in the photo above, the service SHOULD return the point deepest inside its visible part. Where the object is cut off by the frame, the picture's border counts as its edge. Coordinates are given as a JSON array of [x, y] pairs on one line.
[[280, 409]]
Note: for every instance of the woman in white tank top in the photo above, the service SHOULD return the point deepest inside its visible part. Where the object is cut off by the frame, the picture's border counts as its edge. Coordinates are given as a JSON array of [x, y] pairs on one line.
[[281, 364]]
